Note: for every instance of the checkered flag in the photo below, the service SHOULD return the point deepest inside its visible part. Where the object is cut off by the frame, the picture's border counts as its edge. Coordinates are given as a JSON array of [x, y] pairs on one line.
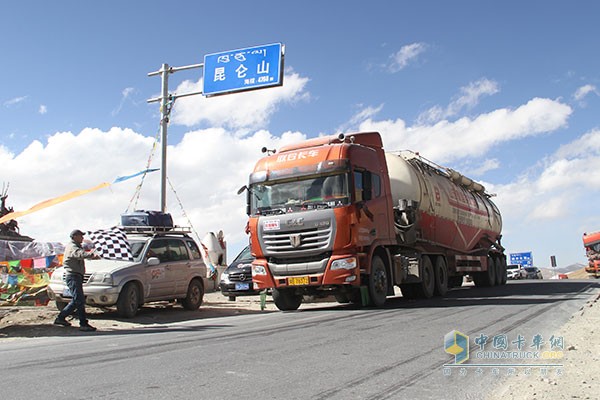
[[111, 244]]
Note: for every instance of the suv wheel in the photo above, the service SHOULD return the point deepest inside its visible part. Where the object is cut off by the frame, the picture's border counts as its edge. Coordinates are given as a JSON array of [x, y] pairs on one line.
[[129, 301], [195, 294]]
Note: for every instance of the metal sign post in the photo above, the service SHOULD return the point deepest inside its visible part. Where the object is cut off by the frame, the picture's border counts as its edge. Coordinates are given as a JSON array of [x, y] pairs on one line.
[[165, 109], [255, 68]]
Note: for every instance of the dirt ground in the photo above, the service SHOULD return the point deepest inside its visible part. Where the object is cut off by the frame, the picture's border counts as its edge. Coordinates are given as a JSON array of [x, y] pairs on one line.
[[580, 379], [581, 360], [19, 322]]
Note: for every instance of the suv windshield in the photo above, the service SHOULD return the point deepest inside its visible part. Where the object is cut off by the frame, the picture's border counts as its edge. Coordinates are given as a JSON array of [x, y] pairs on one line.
[[136, 247], [269, 198]]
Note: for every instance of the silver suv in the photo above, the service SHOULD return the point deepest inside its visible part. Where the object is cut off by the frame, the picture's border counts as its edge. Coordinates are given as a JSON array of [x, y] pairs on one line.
[[166, 266]]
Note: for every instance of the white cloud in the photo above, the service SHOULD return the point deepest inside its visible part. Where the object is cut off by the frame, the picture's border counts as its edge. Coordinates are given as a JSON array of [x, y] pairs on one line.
[[206, 169], [15, 101], [208, 166], [583, 91], [125, 94], [245, 110], [362, 115], [485, 166], [452, 140], [554, 204], [43, 109], [404, 56], [468, 98]]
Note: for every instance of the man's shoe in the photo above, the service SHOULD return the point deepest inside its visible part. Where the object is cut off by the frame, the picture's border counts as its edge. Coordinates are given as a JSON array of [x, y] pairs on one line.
[[61, 322], [87, 328]]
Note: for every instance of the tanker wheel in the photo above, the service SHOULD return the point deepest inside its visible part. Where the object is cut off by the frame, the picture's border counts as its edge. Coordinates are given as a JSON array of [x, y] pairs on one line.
[[490, 274], [409, 290], [441, 276], [479, 279], [502, 261], [342, 298], [498, 266], [286, 299], [455, 281], [427, 285], [378, 282], [486, 278]]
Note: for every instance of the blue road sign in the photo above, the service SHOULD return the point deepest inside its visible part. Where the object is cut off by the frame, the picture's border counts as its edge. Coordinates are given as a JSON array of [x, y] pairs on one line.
[[243, 69], [524, 259]]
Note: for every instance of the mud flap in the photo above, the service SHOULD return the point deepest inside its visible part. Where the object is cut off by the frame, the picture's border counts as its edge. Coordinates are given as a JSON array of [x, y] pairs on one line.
[[365, 299]]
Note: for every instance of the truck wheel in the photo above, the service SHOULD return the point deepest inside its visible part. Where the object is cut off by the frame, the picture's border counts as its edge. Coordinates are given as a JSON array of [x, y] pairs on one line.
[[377, 282], [195, 294], [129, 301], [455, 281], [286, 299], [342, 298], [502, 261], [498, 266], [441, 276], [427, 285], [486, 278], [409, 290], [490, 276]]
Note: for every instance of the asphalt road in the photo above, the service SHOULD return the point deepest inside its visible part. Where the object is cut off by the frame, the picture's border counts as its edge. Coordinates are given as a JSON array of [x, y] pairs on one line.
[[328, 352]]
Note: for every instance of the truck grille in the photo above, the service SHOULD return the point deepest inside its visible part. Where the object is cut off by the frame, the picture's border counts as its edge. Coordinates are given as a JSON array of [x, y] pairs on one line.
[[307, 240]]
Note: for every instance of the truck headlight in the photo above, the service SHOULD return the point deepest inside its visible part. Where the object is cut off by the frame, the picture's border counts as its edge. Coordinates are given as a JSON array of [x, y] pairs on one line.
[[258, 270], [344, 263], [101, 278]]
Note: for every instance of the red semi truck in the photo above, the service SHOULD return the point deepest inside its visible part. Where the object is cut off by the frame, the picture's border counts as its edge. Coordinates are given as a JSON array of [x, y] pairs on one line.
[[339, 216], [591, 242]]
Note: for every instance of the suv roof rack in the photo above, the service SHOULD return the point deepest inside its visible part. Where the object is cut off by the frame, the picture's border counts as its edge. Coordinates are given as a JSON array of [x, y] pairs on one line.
[[152, 230]]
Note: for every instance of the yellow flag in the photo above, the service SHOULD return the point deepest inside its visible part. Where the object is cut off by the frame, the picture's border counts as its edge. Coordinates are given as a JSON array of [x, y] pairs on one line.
[[51, 202]]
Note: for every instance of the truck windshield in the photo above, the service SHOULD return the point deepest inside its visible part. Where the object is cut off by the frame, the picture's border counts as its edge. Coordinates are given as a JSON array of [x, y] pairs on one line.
[[268, 198]]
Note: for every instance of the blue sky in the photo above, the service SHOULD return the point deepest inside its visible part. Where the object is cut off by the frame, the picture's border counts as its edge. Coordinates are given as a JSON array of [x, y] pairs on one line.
[[505, 92]]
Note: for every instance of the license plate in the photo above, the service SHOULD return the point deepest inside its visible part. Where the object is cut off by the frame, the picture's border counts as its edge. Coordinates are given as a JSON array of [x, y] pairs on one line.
[[242, 286], [298, 280]]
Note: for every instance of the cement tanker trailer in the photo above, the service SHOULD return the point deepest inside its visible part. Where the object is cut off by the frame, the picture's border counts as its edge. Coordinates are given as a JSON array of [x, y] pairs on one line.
[[338, 216]]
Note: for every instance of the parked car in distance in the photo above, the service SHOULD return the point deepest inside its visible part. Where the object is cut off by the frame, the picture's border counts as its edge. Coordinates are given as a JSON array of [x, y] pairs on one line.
[[236, 280], [563, 276], [533, 273], [165, 266], [515, 271]]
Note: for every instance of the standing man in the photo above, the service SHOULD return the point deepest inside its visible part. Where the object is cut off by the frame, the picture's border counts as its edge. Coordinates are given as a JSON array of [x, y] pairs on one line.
[[74, 262]]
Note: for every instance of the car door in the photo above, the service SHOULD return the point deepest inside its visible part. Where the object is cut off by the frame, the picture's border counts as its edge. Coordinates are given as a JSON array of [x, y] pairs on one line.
[[160, 279], [179, 266]]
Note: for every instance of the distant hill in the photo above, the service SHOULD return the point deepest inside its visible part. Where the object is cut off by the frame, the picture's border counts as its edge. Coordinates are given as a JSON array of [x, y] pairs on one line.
[[569, 268], [579, 274]]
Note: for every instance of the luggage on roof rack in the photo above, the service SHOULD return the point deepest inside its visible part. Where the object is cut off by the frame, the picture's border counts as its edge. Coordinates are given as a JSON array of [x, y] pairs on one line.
[[141, 218]]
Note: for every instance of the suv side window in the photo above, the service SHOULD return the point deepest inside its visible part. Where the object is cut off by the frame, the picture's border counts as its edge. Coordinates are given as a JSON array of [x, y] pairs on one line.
[[193, 247], [177, 250], [158, 248]]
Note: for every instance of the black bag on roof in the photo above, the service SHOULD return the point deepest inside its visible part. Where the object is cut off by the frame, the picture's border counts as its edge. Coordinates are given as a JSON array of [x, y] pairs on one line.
[[139, 218]]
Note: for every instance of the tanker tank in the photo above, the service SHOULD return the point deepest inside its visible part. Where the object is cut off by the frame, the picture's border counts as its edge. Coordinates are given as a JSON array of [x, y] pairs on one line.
[[440, 206]]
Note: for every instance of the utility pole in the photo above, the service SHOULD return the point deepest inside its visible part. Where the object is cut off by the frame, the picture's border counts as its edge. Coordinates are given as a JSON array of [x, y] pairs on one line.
[[166, 100]]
